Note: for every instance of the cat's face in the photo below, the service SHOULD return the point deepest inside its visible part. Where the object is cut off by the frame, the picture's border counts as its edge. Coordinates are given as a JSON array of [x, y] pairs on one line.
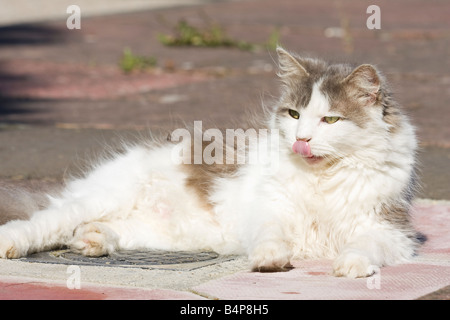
[[328, 112]]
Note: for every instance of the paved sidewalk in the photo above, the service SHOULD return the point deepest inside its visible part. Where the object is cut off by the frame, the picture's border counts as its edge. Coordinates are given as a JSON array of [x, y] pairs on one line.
[[63, 98]]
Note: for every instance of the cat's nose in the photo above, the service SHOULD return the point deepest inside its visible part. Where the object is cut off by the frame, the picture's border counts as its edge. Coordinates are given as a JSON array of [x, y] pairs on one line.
[[303, 139]]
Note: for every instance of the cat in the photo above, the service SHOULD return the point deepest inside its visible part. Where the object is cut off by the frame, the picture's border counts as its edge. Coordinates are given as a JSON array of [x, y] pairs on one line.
[[342, 190]]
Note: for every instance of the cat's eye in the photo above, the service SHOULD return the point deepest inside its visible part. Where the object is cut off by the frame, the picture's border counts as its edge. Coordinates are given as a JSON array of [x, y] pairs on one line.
[[294, 113], [330, 120]]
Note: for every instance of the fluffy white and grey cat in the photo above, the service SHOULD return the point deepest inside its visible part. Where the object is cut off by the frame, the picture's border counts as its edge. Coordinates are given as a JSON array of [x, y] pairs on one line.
[[342, 188]]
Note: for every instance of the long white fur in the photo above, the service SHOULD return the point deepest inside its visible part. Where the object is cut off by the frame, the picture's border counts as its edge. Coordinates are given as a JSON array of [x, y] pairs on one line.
[[139, 200]]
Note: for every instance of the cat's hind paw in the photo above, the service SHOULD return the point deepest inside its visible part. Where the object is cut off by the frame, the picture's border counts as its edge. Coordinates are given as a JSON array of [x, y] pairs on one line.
[[352, 265], [93, 239]]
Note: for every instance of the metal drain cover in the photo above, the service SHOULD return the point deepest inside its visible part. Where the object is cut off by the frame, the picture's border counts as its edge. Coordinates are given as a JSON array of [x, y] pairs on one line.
[[155, 259]]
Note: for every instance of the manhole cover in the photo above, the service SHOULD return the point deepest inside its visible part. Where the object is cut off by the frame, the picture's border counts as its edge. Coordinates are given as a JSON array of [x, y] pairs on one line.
[[155, 259]]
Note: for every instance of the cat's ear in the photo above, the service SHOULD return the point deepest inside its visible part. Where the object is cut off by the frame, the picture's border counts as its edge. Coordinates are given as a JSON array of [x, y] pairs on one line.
[[365, 79], [289, 67]]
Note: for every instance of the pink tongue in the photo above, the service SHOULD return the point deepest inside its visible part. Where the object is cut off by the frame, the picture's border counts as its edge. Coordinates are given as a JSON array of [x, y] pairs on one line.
[[302, 148]]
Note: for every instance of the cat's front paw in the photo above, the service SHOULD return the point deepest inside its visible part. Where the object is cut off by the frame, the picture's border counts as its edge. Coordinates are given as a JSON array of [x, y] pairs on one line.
[[352, 265], [8, 249], [270, 257], [93, 240]]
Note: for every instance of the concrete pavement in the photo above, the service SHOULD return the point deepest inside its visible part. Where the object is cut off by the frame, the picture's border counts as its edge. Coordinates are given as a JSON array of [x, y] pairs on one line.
[[63, 97], [23, 11]]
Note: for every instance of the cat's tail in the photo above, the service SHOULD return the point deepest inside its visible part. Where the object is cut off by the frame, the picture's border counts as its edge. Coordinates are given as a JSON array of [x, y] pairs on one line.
[[19, 202]]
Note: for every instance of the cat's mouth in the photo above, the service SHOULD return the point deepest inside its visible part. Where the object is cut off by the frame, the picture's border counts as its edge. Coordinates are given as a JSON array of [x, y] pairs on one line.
[[313, 159], [303, 149]]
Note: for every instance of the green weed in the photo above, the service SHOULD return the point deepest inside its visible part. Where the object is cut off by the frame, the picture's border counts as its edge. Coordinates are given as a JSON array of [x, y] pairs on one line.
[[130, 62], [213, 36]]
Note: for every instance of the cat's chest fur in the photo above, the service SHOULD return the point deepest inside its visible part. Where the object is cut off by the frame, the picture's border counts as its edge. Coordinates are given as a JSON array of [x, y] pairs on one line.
[[326, 207], [325, 193]]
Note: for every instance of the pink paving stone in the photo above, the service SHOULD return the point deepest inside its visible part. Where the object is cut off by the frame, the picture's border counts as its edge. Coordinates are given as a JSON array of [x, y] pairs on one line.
[[306, 282], [312, 279], [26, 289], [434, 221]]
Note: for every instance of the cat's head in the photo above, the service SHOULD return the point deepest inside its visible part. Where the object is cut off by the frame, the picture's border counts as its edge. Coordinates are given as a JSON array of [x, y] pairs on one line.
[[331, 112]]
